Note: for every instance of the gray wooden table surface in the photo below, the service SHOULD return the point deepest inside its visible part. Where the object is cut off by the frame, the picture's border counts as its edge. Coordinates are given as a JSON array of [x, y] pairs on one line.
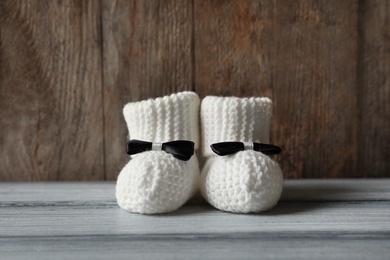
[[314, 219]]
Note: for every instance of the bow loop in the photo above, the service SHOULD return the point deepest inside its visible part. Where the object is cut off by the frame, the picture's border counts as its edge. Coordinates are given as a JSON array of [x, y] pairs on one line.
[[228, 148], [181, 149], [137, 146]]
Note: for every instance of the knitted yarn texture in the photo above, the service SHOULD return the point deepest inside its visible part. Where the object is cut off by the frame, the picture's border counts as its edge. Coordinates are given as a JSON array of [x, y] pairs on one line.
[[247, 181], [154, 181]]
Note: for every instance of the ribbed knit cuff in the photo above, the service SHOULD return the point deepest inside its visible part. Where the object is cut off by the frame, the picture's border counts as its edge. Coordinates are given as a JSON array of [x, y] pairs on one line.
[[164, 119], [234, 119]]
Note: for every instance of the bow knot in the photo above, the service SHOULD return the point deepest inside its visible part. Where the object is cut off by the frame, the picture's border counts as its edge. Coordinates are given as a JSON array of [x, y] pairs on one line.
[[181, 149], [228, 148]]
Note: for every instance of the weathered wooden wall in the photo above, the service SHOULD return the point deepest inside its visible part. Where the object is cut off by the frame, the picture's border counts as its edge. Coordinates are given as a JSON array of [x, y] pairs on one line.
[[68, 67]]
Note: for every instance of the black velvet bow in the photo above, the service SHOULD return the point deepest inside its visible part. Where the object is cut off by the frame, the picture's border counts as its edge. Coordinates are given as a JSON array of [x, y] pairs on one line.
[[227, 148], [181, 149]]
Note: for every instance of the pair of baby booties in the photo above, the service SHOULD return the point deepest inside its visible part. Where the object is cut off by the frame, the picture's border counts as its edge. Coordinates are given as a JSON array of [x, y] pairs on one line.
[[155, 182]]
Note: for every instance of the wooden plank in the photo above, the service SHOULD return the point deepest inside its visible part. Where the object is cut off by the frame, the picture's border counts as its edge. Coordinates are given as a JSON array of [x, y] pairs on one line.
[[233, 47], [314, 89], [55, 209], [124, 247], [59, 191], [147, 53], [50, 91], [106, 218], [374, 88], [345, 190], [82, 220], [309, 190]]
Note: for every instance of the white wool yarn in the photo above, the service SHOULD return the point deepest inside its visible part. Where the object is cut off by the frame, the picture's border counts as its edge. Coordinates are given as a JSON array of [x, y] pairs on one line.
[[155, 182], [247, 181], [163, 119]]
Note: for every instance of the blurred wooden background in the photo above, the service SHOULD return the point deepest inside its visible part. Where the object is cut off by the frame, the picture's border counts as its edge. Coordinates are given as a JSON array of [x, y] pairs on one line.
[[68, 67]]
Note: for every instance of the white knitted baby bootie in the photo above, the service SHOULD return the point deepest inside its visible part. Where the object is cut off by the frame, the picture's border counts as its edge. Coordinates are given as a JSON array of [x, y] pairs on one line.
[[242, 178], [163, 172]]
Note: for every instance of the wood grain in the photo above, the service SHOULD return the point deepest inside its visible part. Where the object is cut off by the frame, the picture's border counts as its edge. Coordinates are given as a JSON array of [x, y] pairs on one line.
[[233, 47], [68, 67], [374, 88], [315, 97], [336, 218], [303, 55], [147, 54], [126, 247], [50, 91]]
